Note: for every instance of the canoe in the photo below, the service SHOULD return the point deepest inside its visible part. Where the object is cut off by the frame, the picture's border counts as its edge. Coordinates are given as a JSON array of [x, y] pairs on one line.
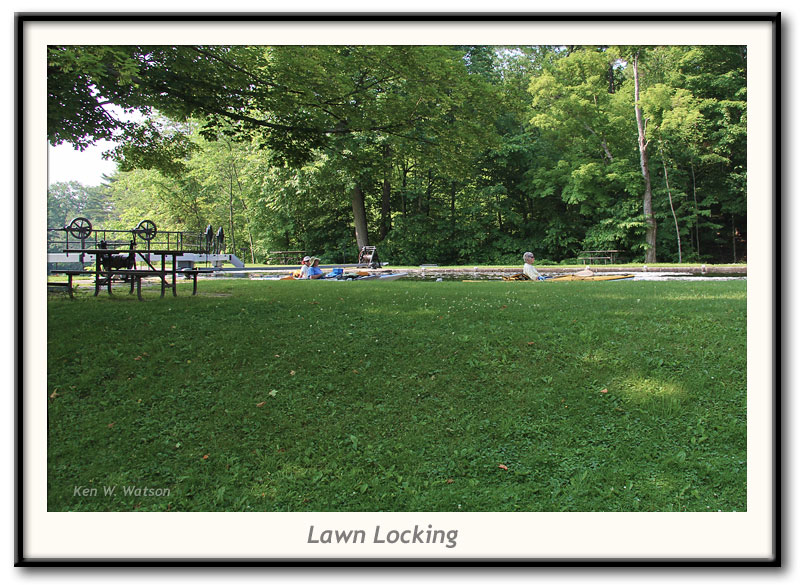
[[356, 276], [566, 277], [392, 276]]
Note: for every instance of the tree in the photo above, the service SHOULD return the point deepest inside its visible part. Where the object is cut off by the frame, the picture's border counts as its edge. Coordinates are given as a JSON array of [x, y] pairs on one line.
[[644, 159], [172, 203], [696, 108], [717, 77], [585, 155], [438, 153], [83, 82], [292, 100], [65, 201]]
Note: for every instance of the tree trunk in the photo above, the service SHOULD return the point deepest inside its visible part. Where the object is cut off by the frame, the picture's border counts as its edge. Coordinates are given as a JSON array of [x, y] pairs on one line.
[[649, 216], [453, 207], [360, 217], [418, 190], [403, 188], [429, 194], [386, 192], [611, 87], [696, 212], [386, 210], [603, 142], [230, 218], [672, 207], [244, 207], [499, 213]]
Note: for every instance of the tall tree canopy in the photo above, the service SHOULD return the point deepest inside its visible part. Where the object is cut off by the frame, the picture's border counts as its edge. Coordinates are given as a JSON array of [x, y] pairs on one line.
[[439, 153]]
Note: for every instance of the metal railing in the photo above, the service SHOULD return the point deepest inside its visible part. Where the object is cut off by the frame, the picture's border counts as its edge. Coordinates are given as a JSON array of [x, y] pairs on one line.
[[59, 239], [79, 234]]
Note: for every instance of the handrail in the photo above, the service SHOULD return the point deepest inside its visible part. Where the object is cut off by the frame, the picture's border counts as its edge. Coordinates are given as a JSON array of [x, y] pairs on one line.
[[188, 241]]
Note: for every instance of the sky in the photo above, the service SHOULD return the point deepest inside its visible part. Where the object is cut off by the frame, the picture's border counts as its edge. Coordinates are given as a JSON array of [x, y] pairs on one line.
[[65, 164]]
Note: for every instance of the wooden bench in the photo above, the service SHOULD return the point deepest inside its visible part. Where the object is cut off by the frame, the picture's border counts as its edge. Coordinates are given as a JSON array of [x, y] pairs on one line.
[[287, 256], [591, 256], [134, 276], [70, 274], [193, 272]]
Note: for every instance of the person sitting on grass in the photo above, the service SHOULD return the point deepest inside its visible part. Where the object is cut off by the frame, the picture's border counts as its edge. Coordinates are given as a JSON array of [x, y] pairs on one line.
[[528, 269], [314, 271], [303, 272]]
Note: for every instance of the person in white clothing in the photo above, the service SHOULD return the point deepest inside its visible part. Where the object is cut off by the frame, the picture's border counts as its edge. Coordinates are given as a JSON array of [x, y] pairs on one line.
[[528, 268], [303, 273]]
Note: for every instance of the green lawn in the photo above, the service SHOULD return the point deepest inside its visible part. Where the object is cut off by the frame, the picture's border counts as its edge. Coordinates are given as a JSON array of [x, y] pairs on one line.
[[400, 396]]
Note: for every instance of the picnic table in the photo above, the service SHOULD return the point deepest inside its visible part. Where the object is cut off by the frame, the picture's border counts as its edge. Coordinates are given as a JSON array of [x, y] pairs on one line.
[[607, 256], [287, 256], [104, 272]]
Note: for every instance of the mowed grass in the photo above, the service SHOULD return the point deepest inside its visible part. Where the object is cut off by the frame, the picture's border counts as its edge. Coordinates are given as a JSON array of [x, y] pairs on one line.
[[400, 396]]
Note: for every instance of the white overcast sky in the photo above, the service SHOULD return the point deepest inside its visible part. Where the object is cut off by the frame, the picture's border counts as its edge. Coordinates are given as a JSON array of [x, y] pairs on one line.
[[65, 164]]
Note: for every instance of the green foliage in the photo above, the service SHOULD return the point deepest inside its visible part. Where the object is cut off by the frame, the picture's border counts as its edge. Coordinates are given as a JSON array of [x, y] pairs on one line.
[[65, 201], [82, 81], [174, 204], [463, 154], [415, 240], [150, 146]]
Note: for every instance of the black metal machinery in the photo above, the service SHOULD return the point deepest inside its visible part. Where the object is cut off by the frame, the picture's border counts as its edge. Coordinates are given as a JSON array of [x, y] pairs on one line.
[[79, 233]]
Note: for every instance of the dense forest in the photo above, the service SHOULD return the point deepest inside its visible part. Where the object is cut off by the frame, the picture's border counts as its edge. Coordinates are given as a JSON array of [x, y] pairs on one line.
[[434, 154]]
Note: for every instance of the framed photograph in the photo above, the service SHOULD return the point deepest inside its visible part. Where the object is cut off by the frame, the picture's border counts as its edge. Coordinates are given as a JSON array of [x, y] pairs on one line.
[[467, 422]]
